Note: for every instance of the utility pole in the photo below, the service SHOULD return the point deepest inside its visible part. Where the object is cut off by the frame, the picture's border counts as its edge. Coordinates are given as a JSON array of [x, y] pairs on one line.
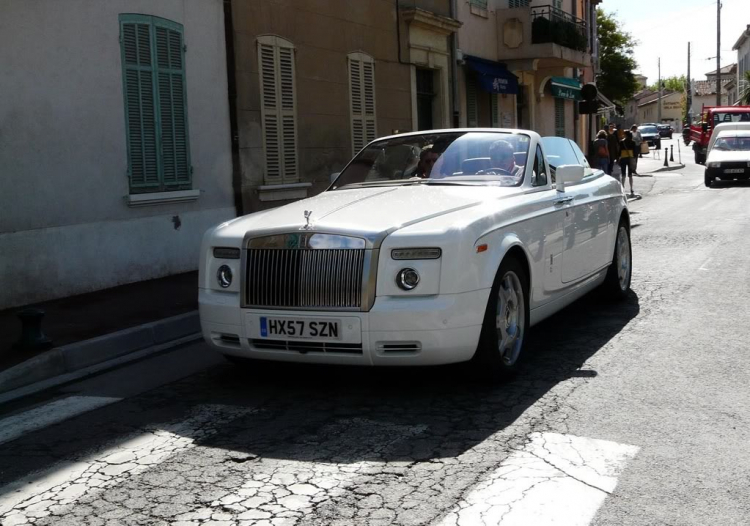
[[689, 92], [658, 102], [718, 52]]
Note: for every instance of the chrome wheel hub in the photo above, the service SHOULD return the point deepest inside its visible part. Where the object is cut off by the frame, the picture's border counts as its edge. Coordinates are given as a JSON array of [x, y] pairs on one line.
[[511, 318]]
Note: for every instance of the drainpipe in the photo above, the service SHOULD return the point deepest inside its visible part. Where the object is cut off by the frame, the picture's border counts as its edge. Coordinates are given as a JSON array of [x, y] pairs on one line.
[[232, 95], [454, 67]]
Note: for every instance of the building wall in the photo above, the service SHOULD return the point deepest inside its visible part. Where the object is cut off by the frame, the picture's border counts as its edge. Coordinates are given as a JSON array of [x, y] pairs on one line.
[[65, 226], [743, 65], [323, 34]]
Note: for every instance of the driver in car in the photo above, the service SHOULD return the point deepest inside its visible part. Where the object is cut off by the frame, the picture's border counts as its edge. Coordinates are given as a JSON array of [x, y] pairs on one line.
[[503, 160]]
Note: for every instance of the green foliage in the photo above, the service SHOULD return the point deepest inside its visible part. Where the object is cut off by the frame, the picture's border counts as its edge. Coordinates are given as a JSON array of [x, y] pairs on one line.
[[674, 83], [616, 79], [745, 89]]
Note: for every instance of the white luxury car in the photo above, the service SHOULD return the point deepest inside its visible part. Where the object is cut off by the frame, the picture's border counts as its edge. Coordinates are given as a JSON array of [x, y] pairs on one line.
[[428, 248]]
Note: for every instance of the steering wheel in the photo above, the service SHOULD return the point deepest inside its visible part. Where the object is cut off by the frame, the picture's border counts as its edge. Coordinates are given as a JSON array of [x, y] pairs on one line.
[[494, 171]]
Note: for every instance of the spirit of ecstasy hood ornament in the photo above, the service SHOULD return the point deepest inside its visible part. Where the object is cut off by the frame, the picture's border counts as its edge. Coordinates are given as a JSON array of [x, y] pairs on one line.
[[307, 226]]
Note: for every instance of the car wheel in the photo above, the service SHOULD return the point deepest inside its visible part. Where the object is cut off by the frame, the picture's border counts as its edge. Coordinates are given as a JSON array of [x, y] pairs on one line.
[[708, 180], [617, 283], [506, 322]]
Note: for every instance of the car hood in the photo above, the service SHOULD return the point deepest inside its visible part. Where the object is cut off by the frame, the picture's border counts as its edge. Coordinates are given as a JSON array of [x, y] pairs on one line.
[[717, 156], [365, 211]]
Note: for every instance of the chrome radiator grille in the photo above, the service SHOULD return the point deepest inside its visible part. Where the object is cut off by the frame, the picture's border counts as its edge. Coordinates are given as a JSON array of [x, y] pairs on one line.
[[304, 278]]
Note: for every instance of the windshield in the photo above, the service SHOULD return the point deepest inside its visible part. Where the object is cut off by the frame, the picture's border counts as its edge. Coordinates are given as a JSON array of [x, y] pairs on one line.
[[648, 129], [471, 158], [731, 117], [728, 144]]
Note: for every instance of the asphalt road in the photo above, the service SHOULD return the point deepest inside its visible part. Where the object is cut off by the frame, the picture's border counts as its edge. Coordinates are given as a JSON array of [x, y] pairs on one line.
[[629, 414]]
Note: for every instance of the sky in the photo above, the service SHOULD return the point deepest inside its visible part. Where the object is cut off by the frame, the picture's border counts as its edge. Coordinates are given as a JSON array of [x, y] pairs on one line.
[[664, 27]]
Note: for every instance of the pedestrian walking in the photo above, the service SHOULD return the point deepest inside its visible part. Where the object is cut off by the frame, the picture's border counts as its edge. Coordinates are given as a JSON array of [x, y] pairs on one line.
[[627, 159], [638, 140], [614, 148], [601, 149]]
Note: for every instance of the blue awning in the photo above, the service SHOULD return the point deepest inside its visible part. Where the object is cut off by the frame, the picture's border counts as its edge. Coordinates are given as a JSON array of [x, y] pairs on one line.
[[493, 77]]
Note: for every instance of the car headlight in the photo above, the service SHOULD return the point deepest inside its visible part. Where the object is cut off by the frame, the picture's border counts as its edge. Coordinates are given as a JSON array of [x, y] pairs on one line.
[[714, 165], [407, 278], [224, 276], [416, 253]]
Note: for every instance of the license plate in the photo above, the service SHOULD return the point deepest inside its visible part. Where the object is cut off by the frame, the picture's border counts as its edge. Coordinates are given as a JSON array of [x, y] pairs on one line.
[[303, 329], [734, 171]]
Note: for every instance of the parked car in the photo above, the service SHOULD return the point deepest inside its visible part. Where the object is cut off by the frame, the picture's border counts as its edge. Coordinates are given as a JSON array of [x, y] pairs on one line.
[[396, 266], [665, 130], [729, 157], [651, 136]]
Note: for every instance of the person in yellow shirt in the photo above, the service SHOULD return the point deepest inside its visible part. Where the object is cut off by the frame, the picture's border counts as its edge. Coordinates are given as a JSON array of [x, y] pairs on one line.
[[627, 159]]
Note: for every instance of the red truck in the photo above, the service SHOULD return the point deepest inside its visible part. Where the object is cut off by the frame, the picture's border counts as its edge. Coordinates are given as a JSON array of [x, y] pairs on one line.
[[700, 130]]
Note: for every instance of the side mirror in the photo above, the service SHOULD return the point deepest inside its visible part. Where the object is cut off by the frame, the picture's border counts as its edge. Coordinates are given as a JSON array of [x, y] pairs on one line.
[[334, 176], [568, 174]]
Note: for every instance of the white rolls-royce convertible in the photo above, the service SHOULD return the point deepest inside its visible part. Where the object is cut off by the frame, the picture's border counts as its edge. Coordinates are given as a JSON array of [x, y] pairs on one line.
[[428, 248]]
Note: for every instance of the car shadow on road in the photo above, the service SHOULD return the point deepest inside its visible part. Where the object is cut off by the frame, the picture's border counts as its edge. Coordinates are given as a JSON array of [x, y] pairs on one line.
[[453, 410], [346, 415]]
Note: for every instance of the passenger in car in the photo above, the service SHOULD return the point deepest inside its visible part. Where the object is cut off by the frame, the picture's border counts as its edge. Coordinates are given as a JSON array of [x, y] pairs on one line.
[[427, 159]]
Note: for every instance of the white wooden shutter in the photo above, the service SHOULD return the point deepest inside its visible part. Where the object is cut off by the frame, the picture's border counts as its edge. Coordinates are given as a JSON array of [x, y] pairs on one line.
[[472, 114], [362, 100], [278, 109]]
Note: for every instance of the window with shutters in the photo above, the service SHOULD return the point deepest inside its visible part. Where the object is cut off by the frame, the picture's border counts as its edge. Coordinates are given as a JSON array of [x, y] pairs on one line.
[[519, 3], [560, 117], [153, 64], [361, 99], [278, 97]]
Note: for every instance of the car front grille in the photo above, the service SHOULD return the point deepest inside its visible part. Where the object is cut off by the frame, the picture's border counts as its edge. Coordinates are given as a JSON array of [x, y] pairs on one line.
[[307, 347], [305, 278]]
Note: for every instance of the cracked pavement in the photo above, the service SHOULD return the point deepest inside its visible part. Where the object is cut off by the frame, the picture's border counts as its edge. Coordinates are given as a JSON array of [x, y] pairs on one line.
[[631, 414]]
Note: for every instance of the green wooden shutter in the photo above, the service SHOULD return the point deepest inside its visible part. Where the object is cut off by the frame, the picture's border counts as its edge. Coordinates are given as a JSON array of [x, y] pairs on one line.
[[472, 113], [560, 117], [140, 111], [495, 110], [155, 103], [170, 73]]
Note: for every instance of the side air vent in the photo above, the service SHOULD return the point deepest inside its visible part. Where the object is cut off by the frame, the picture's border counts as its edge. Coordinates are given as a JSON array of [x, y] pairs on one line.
[[226, 340], [399, 347]]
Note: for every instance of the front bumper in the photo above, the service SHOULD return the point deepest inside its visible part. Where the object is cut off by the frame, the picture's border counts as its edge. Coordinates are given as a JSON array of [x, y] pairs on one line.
[[720, 173], [427, 330]]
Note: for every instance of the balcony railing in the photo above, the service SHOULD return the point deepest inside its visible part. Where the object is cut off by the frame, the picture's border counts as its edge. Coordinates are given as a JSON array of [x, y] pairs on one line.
[[552, 25]]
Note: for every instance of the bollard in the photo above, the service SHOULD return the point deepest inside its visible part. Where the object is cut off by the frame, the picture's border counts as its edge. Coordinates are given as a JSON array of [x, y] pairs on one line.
[[666, 151], [32, 336], [671, 153]]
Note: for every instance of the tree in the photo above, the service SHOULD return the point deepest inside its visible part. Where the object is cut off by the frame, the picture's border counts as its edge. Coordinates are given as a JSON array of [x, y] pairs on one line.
[[674, 83], [616, 79], [745, 89]]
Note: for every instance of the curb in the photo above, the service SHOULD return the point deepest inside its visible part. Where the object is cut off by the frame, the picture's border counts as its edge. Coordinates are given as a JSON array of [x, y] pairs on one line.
[[83, 355]]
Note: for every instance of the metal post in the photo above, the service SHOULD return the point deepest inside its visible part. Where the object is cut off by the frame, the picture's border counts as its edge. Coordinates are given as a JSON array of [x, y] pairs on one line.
[[689, 111], [671, 153], [679, 152], [659, 90], [718, 52], [666, 157]]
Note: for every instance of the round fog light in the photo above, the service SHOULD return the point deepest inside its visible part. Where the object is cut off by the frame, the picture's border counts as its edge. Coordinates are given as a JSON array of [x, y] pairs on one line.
[[224, 276], [407, 278]]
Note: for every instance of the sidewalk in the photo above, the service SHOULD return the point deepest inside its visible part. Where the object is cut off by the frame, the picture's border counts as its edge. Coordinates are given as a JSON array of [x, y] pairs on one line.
[[78, 318]]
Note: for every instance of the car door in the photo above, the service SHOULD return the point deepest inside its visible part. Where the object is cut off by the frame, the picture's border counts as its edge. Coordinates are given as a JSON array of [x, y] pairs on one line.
[[602, 211], [546, 243], [581, 221]]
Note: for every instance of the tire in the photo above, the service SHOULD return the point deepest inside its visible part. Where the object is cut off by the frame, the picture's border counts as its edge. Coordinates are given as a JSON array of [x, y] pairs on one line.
[[501, 347], [708, 180], [616, 285]]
